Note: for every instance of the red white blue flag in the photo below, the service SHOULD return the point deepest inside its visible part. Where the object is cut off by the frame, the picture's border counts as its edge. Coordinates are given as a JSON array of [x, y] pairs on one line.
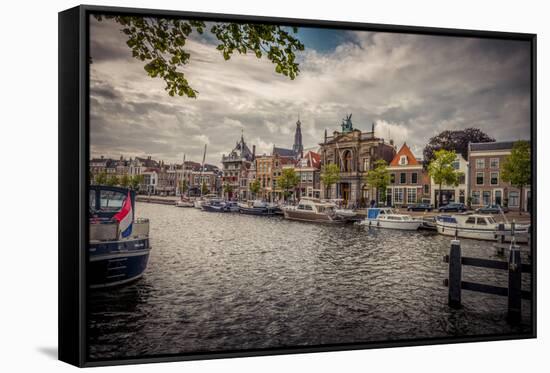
[[125, 217]]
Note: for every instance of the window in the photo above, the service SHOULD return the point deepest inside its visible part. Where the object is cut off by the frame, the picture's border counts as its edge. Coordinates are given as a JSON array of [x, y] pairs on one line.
[[402, 178], [414, 178], [426, 188], [110, 200], [462, 179], [347, 161], [486, 197], [308, 207], [456, 164], [392, 179], [494, 163], [398, 195], [411, 195], [475, 197], [365, 164], [494, 178], [480, 163], [481, 221], [479, 178], [471, 220], [513, 199], [403, 160]]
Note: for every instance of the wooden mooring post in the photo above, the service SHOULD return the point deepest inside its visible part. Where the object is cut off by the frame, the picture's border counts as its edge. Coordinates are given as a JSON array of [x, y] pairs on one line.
[[513, 266]]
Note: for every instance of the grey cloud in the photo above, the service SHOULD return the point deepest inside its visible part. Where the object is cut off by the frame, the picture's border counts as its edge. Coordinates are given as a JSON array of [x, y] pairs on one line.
[[412, 86]]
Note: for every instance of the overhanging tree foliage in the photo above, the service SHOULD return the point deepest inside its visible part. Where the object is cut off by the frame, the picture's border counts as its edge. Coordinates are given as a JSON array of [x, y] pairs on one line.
[[255, 187], [456, 140], [159, 43]]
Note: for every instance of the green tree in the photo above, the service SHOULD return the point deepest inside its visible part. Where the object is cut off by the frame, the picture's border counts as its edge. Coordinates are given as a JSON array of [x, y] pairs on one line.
[[159, 43], [379, 178], [227, 189], [442, 172], [516, 168], [204, 188], [112, 180], [101, 178], [330, 175], [124, 181], [255, 187], [184, 187], [288, 180], [135, 181]]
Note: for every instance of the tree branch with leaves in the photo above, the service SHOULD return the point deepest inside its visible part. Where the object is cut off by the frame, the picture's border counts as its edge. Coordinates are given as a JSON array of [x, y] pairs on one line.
[[160, 42]]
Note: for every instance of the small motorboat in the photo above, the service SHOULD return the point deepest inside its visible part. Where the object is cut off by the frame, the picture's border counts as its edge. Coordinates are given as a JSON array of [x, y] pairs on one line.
[[387, 218], [313, 210], [258, 207], [216, 205], [476, 226], [204, 199], [119, 243], [185, 202]]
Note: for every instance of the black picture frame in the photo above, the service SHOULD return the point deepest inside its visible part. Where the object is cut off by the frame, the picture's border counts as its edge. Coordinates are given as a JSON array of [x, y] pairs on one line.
[[73, 180]]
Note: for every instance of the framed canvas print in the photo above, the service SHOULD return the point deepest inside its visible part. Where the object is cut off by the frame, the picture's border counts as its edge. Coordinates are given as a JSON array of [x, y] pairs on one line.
[[238, 186]]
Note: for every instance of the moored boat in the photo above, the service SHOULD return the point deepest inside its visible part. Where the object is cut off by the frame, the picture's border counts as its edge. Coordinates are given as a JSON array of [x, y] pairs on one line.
[[216, 205], [313, 210], [203, 200], [257, 207], [185, 202], [119, 244], [475, 226], [387, 218]]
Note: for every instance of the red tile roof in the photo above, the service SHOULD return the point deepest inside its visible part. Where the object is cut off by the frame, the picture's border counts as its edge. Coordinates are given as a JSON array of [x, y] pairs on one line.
[[406, 151]]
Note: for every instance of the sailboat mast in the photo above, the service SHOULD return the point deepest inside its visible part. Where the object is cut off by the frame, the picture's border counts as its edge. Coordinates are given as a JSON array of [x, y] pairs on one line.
[[202, 169]]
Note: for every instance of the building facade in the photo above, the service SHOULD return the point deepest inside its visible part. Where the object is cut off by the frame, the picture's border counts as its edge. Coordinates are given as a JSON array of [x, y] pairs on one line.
[[235, 169], [487, 186], [308, 169], [409, 183], [355, 152]]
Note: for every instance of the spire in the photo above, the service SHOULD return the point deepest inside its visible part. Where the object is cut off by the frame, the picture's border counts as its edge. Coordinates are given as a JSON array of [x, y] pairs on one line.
[[298, 147]]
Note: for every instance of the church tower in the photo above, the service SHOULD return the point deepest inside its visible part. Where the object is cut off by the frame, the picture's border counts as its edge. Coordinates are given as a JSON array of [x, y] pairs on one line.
[[298, 147]]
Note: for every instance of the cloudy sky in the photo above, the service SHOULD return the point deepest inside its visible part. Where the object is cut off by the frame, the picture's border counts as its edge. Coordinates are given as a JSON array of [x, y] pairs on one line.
[[411, 86]]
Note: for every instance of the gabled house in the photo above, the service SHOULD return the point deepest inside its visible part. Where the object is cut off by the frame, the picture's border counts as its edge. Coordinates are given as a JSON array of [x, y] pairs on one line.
[[409, 183]]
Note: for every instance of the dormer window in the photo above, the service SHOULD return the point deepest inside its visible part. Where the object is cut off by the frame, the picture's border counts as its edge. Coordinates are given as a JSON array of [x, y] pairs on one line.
[[403, 160]]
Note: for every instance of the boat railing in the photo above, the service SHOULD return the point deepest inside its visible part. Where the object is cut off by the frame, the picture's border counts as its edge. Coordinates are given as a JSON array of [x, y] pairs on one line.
[[108, 230]]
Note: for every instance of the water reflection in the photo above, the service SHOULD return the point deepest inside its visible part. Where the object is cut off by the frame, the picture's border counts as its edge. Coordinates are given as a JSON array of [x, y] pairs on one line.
[[229, 281]]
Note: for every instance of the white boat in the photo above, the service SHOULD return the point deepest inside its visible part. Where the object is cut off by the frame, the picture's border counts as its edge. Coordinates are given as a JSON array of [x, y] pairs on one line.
[[204, 199], [388, 218], [313, 210], [340, 209], [476, 226]]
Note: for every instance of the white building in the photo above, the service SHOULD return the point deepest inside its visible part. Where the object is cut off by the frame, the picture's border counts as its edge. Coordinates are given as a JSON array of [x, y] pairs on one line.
[[452, 193]]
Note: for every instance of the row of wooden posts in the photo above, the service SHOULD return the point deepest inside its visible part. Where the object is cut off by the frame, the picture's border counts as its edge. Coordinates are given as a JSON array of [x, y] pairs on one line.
[[514, 267]]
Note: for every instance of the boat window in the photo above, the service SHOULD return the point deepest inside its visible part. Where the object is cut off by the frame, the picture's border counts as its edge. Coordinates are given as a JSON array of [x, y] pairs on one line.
[[308, 207], [111, 200], [491, 221], [301, 207], [471, 221], [481, 221]]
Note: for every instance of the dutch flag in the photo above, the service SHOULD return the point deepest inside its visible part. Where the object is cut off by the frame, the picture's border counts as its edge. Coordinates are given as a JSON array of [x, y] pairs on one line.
[[125, 217]]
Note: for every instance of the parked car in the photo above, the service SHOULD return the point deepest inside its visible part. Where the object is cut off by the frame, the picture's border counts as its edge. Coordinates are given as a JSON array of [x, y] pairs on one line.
[[420, 207], [453, 207], [492, 209]]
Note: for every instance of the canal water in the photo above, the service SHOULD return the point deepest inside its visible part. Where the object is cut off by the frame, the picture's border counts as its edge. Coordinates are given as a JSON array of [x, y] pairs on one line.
[[218, 282]]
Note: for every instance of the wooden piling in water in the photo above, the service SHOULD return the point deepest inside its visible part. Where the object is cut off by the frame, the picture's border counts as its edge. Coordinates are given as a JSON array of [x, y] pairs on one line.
[[455, 275]]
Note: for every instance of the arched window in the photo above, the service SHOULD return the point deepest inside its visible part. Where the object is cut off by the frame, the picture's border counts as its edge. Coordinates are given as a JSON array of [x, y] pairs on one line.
[[347, 158]]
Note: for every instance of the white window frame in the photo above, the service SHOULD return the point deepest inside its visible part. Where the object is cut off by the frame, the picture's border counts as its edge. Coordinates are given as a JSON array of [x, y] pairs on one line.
[[398, 192], [497, 166], [480, 163], [403, 160], [517, 197], [476, 199], [409, 194], [483, 177], [491, 178]]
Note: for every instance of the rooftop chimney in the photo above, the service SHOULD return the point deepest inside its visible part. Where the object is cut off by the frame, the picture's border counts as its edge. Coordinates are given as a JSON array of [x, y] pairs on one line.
[[253, 152]]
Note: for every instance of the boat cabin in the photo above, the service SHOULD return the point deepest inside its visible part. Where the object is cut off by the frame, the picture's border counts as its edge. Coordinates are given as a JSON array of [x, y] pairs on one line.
[[106, 201]]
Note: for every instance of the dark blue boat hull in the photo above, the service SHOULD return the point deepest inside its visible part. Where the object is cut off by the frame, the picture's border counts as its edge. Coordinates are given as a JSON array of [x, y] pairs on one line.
[[117, 262], [258, 211], [210, 208]]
